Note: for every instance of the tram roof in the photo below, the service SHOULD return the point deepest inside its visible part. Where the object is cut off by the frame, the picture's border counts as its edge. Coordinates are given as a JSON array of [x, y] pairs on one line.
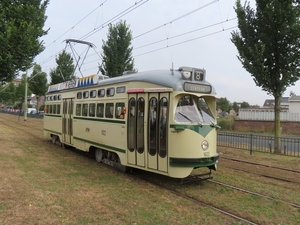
[[168, 78]]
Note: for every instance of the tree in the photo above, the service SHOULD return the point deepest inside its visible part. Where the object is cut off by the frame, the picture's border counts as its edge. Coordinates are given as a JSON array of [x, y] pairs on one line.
[[21, 26], [268, 43], [20, 90], [7, 94], [64, 70], [292, 93], [245, 105], [38, 82], [235, 107], [223, 104], [117, 53]]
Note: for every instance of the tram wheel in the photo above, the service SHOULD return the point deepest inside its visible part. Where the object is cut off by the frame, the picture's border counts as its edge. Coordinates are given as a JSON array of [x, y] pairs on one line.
[[98, 155], [54, 138]]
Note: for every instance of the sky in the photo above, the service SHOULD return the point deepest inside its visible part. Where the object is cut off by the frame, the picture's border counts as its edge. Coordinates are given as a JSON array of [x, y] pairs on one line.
[[166, 34]]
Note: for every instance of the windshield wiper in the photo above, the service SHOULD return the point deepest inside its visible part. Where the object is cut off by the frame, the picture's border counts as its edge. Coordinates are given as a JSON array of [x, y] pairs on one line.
[[188, 118], [214, 124]]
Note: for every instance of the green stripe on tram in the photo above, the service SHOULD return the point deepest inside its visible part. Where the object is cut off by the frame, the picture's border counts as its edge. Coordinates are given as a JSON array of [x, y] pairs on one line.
[[100, 120]]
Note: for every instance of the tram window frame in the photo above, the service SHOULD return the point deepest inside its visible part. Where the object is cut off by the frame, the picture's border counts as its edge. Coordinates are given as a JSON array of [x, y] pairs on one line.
[[50, 109], [59, 97], [51, 98], [101, 93], [92, 108], [119, 110], [79, 95], [85, 108], [86, 94], [55, 97], [121, 89], [100, 110], [110, 92], [109, 110], [78, 109], [93, 94]]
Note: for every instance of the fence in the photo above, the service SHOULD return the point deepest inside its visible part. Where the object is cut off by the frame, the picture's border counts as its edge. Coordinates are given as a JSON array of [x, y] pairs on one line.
[[262, 143], [267, 114]]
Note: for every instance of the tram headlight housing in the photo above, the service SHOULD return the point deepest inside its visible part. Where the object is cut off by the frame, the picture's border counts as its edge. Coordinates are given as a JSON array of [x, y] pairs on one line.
[[204, 145]]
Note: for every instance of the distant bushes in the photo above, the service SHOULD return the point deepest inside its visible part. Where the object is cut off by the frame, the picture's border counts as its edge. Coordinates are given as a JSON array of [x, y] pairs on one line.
[[226, 123]]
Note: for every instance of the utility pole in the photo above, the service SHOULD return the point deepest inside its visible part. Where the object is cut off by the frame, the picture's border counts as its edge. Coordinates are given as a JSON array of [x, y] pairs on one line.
[[25, 102]]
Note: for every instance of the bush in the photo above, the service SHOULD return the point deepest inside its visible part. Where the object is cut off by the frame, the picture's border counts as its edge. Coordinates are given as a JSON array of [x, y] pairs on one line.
[[226, 123]]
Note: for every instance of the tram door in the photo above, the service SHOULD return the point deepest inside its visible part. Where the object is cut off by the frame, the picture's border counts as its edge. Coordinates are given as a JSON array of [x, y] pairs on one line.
[[67, 121], [157, 147], [136, 129]]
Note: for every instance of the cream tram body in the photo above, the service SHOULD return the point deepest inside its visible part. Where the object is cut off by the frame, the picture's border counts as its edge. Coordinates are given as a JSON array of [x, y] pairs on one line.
[[159, 121]]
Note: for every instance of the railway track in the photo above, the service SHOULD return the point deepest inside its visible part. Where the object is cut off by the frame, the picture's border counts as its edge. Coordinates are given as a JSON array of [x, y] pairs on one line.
[[254, 193], [197, 201], [263, 170], [259, 164]]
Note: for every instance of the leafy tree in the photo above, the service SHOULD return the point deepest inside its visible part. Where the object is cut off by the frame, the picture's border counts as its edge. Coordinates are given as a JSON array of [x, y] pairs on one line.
[[38, 82], [292, 93], [235, 106], [64, 70], [223, 104], [117, 53], [268, 45], [245, 105], [7, 94], [21, 26]]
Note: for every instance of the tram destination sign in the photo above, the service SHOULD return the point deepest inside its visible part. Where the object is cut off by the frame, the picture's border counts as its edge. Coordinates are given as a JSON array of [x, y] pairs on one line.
[[199, 88]]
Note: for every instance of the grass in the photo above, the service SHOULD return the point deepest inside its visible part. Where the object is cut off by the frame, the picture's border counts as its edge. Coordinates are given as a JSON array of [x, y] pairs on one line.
[[43, 183]]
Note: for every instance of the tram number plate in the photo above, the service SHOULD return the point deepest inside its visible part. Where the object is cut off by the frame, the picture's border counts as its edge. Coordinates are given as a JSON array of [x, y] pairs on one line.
[[206, 153]]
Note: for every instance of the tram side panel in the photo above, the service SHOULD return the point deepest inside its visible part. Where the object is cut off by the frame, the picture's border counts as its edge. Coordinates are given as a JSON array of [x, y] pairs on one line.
[[103, 134], [53, 126]]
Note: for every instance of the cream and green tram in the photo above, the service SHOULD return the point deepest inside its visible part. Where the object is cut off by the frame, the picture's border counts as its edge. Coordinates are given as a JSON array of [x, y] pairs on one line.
[[160, 121]]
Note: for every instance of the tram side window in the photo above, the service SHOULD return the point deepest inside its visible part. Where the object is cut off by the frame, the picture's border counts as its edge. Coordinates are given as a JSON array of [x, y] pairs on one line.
[[92, 108], [131, 128], [58, 109], [100, 110], [85, 94], [162, 127], [121, 89], [119, 112], [109, 110], [54, 109], [110, 92], [59, 97], [50, 109], [101, 93], [46, 109], [79, 95], [55, 97], [93, 94], [84, 109], [78, 109]]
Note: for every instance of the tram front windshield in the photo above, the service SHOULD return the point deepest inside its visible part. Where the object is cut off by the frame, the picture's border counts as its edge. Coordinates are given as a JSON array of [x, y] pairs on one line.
[[191, 109]]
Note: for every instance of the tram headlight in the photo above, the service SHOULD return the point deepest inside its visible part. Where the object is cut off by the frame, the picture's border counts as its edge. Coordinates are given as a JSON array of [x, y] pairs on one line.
[[204, 145], [186, 74]]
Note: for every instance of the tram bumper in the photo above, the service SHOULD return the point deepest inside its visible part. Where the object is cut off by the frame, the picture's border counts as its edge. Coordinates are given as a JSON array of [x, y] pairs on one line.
[[215, 159]]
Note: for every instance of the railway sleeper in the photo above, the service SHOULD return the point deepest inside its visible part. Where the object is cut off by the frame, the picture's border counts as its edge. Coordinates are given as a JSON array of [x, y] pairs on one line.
[[196, 177]]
